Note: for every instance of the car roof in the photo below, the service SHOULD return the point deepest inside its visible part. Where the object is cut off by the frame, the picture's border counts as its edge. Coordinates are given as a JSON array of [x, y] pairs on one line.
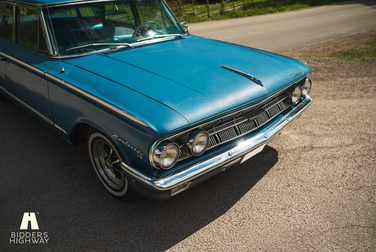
[[50, 2]]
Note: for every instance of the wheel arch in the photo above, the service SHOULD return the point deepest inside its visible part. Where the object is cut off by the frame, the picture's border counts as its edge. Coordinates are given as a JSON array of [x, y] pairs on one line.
[[79, 133]]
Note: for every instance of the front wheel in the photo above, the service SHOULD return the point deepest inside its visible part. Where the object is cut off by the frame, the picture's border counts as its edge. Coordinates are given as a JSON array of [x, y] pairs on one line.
[[106, 159]]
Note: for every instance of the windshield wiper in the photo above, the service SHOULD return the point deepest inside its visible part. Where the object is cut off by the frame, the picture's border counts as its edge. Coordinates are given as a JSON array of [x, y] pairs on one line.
[[101, 44], [161, 36]]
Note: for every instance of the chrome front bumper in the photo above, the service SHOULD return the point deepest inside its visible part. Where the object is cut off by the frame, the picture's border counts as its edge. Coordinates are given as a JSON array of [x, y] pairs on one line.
[[165, 187]]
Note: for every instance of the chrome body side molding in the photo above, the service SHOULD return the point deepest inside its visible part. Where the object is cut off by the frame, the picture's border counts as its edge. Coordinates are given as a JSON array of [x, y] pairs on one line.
[[100, 101], [33, 110], [27, 66], [61, 81]]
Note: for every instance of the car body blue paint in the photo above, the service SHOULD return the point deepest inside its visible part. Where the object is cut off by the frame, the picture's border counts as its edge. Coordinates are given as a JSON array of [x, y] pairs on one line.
[[186, 74], [170, 85]]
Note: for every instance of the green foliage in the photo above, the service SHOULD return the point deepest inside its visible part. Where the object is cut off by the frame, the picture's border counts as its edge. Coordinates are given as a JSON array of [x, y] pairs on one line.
[[268, 7], [365, 53]]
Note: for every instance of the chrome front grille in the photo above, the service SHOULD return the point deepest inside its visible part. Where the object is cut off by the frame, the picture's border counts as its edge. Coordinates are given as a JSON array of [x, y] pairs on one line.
[[212, 142], [240, 123], [227, 134], [246, 126]]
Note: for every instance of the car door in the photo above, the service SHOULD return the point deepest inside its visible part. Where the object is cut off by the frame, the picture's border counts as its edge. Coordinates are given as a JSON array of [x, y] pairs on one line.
[[6, 36], [25, 63]]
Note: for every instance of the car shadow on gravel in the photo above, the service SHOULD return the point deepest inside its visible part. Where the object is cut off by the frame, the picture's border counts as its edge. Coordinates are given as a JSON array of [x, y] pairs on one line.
[[47, 176]]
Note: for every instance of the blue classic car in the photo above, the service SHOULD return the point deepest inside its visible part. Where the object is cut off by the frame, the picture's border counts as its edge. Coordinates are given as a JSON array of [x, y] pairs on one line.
[[160, 110]]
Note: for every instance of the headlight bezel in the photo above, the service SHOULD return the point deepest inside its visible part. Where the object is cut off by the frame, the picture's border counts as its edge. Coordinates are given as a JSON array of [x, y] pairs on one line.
[[305, 84], [159, 151], [193, 138], [295, 97]]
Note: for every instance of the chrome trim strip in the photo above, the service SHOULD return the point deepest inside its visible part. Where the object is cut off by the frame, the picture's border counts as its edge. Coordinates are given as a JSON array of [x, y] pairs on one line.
[[108, 105], [246, 75], [59, 128], [199, 169], [33, 110], [297, 74], [22, 63], [45, 31], [241, 120], [256, 128], [235, 127], [93, 97], [14, 24]]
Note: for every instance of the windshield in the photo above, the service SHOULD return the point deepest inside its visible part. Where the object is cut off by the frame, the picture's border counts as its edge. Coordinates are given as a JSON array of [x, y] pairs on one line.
[[97, 26]]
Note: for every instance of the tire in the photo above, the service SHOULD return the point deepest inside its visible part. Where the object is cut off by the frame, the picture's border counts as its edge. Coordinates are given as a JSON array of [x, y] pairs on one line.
[[106, 159]]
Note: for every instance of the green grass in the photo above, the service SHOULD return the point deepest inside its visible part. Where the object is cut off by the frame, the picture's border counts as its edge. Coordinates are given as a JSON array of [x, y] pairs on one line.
[[364, 53], [244, 12]]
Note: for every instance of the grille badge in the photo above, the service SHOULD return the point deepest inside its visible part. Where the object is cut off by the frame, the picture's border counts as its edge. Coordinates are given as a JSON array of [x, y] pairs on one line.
[[297, 74]]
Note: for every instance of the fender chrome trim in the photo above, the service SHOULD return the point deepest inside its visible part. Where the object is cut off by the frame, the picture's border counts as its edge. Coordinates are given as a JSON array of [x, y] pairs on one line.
[[95, 98], [197, 170], [72, 87]]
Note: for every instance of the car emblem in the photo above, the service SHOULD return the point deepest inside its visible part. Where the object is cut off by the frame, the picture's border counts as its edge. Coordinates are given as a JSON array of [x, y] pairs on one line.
[[294, 75], [138, 150]]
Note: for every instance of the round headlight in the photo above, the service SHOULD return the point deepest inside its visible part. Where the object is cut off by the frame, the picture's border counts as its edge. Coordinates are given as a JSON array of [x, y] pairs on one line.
[[296, 94], [166, 155], [198, 141], [306, 87]]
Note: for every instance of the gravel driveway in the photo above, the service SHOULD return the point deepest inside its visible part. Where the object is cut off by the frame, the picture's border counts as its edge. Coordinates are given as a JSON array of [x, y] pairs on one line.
[[320, 194]]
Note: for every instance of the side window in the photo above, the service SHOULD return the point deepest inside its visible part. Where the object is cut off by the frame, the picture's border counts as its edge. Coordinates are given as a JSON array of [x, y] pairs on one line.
[[6, 21], [86, 12], [29, 31], [72, 12]]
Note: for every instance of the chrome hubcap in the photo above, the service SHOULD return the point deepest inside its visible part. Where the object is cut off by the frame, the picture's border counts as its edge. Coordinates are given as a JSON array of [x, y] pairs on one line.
[[108, 161]]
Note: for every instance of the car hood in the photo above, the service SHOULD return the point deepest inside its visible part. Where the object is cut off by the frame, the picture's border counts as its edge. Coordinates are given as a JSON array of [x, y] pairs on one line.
[[186, 74]]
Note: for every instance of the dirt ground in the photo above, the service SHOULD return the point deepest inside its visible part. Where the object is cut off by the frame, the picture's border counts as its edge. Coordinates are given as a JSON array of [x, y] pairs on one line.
[[337, 142], [320, 193]]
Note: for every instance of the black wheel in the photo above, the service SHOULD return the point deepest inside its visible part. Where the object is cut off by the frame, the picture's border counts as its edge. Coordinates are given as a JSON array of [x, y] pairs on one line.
[[106, 159]]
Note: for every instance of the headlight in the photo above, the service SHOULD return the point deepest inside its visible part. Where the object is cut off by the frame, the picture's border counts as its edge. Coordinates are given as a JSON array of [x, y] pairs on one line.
[[166, 154], [198, 141], [296, 94], [306, 87]]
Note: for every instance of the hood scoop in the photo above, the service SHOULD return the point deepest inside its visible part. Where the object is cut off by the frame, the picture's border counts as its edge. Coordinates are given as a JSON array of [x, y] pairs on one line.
[[246, 75]]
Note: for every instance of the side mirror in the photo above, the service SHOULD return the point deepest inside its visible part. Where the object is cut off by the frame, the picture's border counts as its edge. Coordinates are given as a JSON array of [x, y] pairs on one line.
[[185, 26]]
